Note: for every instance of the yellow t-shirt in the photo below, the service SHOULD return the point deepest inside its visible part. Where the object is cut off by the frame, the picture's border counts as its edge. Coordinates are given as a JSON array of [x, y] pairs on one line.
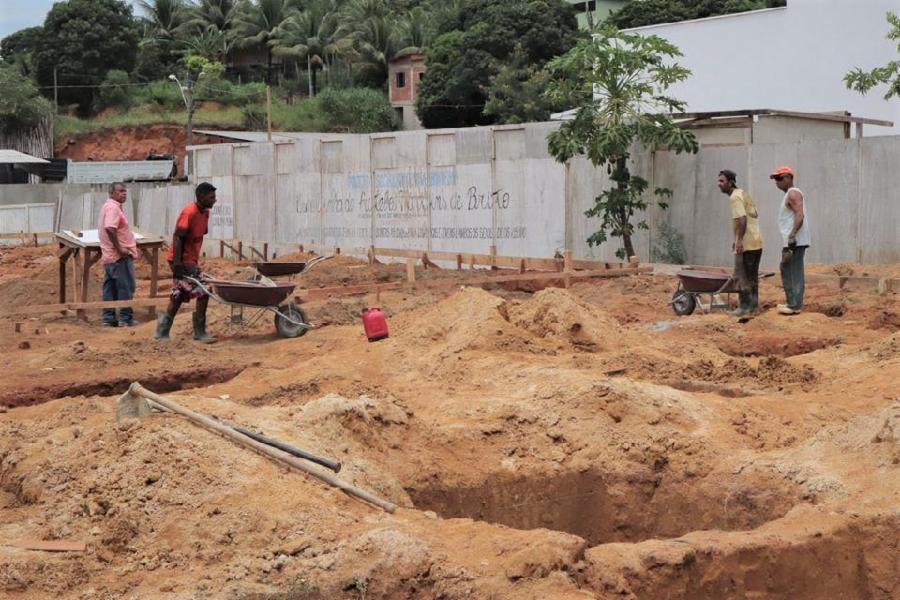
[[742, 206]]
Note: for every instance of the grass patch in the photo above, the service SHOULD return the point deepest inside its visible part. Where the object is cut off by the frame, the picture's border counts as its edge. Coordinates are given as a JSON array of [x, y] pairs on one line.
[[226, 118]]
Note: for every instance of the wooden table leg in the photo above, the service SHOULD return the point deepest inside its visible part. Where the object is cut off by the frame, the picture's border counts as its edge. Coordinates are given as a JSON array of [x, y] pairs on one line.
[[63, 259], [85, 280]]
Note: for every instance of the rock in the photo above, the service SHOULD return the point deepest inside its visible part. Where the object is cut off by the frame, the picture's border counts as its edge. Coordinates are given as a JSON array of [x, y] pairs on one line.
[[24, 345]]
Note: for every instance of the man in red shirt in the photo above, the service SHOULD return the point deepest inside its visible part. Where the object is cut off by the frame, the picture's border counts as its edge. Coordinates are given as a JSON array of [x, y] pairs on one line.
[[184, 258]]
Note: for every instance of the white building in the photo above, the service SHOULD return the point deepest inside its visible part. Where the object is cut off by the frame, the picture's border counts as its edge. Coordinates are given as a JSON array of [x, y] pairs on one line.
[[791, 58]]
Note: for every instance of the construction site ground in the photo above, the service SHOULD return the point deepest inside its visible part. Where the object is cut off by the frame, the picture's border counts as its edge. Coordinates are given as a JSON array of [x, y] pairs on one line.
[[580, 443]]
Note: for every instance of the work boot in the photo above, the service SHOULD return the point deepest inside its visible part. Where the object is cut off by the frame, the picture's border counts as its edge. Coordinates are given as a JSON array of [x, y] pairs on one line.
[[200, 330], [163, 326]]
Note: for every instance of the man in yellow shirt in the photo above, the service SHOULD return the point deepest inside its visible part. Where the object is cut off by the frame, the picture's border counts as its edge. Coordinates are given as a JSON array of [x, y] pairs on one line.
[[748, 242]]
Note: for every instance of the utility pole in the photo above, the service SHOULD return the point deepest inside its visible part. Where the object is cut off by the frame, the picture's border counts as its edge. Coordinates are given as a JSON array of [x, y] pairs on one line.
[[269, 111], [187, 94]]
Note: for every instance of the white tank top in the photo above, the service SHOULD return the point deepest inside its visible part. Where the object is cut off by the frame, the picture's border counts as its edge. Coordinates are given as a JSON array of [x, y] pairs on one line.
[[786, 220]]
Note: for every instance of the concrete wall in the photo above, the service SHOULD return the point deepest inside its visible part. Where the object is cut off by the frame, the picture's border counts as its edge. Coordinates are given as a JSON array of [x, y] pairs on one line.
[[792, 58], [465, 190]]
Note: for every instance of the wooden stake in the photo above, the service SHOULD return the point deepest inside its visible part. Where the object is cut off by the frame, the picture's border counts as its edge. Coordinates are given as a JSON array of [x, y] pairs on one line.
[[410, 269], [567, 262], [459, 262]]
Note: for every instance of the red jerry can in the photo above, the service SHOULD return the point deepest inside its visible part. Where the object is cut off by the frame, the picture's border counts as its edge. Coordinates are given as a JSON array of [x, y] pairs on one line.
[[375, 324]]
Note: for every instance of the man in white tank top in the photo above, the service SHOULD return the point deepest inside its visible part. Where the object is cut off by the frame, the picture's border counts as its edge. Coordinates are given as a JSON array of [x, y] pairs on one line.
[[793, 221]]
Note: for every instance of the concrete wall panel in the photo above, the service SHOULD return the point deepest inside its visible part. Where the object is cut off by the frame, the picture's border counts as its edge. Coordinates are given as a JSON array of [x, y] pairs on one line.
[[879, 232]]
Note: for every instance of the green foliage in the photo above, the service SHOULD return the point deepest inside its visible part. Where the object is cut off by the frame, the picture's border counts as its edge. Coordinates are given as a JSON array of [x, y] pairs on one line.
[[19, 43], [226, 93], [864, 81], [21, 106], [160, 96], [228, 118], [115, 91], [254, 117], [669, 248], [83, 40], [638, 13], [198, 66], [516, 93], [356, 110], [617, 82], [462, 61]]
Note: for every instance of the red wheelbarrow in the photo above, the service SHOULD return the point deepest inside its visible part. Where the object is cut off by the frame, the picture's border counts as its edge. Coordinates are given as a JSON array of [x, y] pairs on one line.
[[694, 283], [290, 320]]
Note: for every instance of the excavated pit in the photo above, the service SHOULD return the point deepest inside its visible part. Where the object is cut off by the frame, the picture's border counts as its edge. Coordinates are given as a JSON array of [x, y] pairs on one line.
[[169, 381], [603, 507]]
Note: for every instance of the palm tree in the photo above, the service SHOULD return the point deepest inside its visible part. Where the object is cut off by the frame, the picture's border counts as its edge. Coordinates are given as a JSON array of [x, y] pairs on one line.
[[165, 20], [256, 22], [415, 31], [211, 44], [376, 37], [315, 34], [217, 15]]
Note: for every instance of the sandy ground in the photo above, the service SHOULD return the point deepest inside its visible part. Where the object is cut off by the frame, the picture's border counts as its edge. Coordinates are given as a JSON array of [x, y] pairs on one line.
[[565, 444]]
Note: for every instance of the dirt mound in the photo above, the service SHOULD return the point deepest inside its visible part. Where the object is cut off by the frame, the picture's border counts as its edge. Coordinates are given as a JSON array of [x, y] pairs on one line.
[[557, 314], [131, 143], [470, 319], [887, 349]]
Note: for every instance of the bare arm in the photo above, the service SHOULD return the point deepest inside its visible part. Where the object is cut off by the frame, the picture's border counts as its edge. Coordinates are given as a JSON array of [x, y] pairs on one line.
[[739, 234], [795, 203], [178, 248], [114, 238]]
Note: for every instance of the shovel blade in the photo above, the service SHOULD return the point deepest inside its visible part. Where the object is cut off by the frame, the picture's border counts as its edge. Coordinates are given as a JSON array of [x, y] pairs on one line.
[[132, 406]]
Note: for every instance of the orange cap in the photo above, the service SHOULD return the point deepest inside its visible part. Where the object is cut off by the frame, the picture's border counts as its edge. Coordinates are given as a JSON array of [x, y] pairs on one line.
[[782, 171]]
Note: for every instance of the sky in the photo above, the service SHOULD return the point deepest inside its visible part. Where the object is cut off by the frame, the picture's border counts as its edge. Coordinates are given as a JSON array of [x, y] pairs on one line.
[[19, 14]]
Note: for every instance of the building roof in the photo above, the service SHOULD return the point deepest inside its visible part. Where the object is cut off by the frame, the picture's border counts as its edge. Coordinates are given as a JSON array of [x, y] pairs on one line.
[[710, 118], [119, 170], [253, 136], [18, 158]]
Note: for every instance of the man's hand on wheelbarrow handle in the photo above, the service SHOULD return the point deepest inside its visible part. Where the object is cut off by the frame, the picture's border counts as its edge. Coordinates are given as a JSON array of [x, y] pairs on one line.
[[182, 271]]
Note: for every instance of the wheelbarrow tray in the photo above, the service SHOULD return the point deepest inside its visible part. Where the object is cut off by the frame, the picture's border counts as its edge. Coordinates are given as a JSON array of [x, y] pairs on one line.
[[704, 282], [251, 294], [279, 269]]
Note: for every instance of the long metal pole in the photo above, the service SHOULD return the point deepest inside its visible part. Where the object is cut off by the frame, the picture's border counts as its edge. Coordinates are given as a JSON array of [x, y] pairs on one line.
[[269, 111]]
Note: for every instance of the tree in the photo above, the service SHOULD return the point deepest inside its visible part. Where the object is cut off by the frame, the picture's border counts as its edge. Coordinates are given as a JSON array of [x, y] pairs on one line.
[[18, 43], [217, 15], [618, 82], [21, 105], [376, 39], [864, 81], [516, 92], [256, 25], [314, 36], [82, 40], [17, 49], [163, 25], [638, 13], [462, 62]]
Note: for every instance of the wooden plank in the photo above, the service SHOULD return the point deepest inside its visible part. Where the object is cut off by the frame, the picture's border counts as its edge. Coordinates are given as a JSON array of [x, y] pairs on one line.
[[24, 235], [84, 306], [317, 293], [50, 545]]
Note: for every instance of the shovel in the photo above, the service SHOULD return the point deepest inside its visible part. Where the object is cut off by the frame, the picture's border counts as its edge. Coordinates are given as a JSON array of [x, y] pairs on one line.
[[139, 401]]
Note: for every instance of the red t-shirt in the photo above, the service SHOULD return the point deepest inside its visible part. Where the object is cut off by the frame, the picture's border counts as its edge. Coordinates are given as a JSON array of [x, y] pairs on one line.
[[194, 224]]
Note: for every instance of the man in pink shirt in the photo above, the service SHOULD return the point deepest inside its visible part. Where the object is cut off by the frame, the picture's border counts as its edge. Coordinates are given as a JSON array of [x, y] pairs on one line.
[[117, 253]]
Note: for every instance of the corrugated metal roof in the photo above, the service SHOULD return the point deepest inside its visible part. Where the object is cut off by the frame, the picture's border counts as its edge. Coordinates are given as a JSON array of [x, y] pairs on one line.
[[120, 170], [16, 157], [249, 136]]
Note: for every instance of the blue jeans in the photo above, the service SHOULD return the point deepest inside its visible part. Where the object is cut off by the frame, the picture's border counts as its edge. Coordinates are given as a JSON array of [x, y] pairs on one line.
[[792, 276], [118, 284]]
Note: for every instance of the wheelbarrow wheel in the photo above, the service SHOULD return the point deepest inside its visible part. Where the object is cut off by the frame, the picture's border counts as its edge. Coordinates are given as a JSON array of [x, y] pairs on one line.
[[683, 303], [285, 328]]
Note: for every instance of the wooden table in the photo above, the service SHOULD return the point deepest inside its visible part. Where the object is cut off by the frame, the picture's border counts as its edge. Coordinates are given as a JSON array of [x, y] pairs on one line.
[[86, 254]]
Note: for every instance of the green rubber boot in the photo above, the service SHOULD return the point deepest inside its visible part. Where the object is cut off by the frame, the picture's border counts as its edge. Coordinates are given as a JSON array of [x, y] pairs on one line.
[[200, 330], [163, 326]]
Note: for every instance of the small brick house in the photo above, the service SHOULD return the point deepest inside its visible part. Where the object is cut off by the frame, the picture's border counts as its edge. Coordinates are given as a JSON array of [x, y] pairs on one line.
[[404, 76]]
